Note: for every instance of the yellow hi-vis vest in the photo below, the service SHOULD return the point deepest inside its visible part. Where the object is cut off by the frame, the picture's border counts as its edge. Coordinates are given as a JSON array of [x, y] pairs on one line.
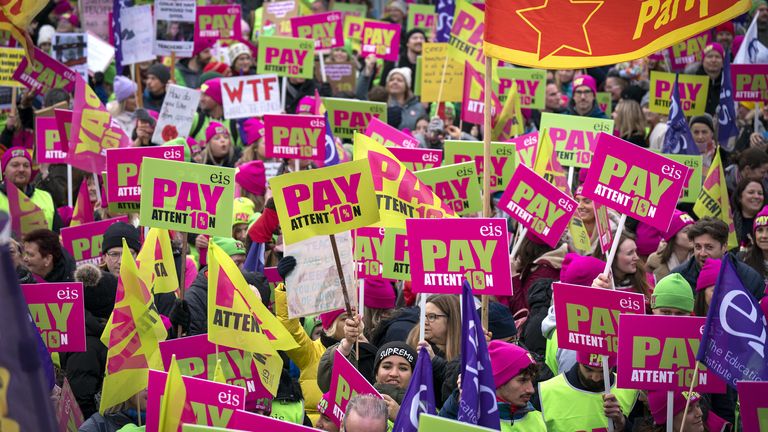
[[533, 421], [41, 199]]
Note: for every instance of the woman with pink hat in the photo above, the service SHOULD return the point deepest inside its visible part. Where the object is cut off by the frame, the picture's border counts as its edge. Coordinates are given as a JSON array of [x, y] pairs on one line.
[[219, 150], [675, 250], [756, 255]]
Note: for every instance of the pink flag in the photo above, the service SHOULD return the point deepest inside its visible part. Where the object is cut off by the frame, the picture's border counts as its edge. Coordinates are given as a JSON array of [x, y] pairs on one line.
[[25, 215], [83, 212]]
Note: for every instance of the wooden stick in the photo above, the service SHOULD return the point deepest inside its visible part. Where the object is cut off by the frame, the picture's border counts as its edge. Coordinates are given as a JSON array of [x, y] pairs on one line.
[[140, 86], [173, 66], [690, 390], [14, 95], [442, 82], [607, 382], [486, 162], [322, 67], [341, 275]]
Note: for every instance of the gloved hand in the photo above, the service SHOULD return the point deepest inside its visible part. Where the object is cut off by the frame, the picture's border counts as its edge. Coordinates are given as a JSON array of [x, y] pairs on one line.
[[286, 266], [180, 315]]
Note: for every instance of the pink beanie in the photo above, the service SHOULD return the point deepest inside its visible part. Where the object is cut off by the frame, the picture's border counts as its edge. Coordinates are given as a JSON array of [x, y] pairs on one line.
[[583, 175], [328, 318], [507, 360], [708, 274], [212, 89], [379, 294], [657, 404], [648, 239], [594, 360], [585, 80], [680, 220], [580, 270], [714, 46], [252, 177], [14, 152], [306, 105], [254, 129], [213, 129], [761, 219]]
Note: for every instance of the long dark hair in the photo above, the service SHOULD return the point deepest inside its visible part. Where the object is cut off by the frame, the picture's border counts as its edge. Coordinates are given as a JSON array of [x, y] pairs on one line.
[[638, 279], [529, 252], [754, 258]]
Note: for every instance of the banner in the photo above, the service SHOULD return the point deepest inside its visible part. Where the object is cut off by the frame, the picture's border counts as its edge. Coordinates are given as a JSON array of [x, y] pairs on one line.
[[395, 258], [531, 86], [688, 51], [11, 59], [346, 382], [174, 28], [473, 97], [26, 216], [417, 159], [287, 57], [456, 186], [44, 73], [527, 148], [433, 60], [713, 199], [136, 35], [294, 136], [635, 181], [316, 288], [325, 28], [49, 148], [538, 205], [575, 35], [445, 252], [753, 400], [389, 136], [603, 227], [187, 197], [325, 201], [250, 96], [574, 137], [350, 116], [83, 242], [421, 17], [58, 311], [367, 252], [750, 82], [177, 113], [382, 40], [124, 170], [693, 92], [592, 316], [502, 159], [215, 23]]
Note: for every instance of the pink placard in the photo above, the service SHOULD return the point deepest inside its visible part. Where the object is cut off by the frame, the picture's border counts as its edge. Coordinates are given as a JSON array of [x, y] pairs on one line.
[[381, 39], [247, 421], [68, 412], [688, 51], [327, 29], [58, 310], [64, 123], [388, 136], [208, 403], [603, 226], [527, 147], [44, 74], [637, 182], [49, 146], [590, 316], [346, 381], [658, 352], [445, 252], [417, 159], [294, 136], [749, 82], [367, 249], [83, 242], [753, 397], [124, 169], [538, 205], [197, 358], [216, 22]]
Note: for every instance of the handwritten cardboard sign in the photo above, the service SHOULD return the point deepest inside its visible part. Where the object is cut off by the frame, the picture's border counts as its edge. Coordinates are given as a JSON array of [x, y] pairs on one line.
[[456, 186], [294, 136], [693, 92], [502, 159], [124, 169], [284, 56], [250, 96], [395, 258], [176, 114], [11, 59], [367, 249], [136, 34], [749, 82], [350, 116], [342, 76], [49, 146], [58, 311], [431, 78], [531, 86], [382, 40], [326, 29], [573, 137], [83, 242], [174, 27]]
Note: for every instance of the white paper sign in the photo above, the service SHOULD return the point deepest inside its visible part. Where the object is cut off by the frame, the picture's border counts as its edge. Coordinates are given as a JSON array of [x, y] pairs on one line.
[[314, 287], [94, 15], [100, 54], [176, 114], [136, 34], [250, 96], [174, 27], [71, 49]]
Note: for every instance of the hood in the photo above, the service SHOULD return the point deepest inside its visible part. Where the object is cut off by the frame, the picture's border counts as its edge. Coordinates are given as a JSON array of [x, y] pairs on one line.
[[548, 325]]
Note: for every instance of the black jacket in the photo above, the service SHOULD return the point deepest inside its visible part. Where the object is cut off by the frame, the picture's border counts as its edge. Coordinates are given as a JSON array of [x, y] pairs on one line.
[[539, 299], [397, 327], [63, 269], [197, 299], [753, 282], [85, 370]]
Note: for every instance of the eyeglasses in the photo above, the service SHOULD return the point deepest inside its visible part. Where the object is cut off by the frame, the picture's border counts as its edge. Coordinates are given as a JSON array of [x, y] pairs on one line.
[[117, 255], [432, 317]]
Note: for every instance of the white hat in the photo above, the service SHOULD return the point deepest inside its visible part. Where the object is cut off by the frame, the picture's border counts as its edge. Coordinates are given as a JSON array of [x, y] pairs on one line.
[[236, 51], [45, 34], [404, 71]]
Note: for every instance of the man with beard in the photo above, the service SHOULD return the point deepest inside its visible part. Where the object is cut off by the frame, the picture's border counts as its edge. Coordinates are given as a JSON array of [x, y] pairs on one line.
[[574, 400], [212, 109], [513, 373], [414, 42], [188, 70]]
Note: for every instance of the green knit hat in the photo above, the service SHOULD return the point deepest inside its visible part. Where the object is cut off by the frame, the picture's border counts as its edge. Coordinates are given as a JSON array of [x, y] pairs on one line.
[[673, 292], [181, 141], [755, 5], [230, 246]]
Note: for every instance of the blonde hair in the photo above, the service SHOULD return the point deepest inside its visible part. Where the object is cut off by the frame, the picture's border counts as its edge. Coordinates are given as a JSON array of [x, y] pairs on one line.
[[449, 304], [629, 118]]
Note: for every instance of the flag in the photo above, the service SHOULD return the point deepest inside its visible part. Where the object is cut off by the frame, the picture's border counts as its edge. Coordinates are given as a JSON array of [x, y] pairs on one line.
[[556, 34], [254, 261], [546, 164], [132, 336], [25, 215], [733, 345], [445, 10], [174, 400], [218, 373], [727, 131], [23, 382], [236, 316], [478, 392], [713, 199], [419, 398], [157, 268], [117, 40], [83, 212], [509, 124], [21, 12], [751, 51], [678, 138]]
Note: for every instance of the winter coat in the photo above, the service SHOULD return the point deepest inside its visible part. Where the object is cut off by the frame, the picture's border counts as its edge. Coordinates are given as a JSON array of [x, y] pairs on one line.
[[107, 423], [411, 111], [153, 102], [595, 113], [753, 281], [63, 269], [397, 327], [85, 370], [539, 300], [197, 299], [364, 365], [546, 266]]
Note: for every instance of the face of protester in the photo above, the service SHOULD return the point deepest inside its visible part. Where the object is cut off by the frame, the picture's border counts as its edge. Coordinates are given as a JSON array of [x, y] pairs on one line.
[[756, 174], [583, 99], [207, 103], [712, 63], [396, 85], [35, 261], [725, 39], [702, 135], [694, 421], [421, 126], [130, 103], [113, 258], [752, 198], [396, 14], [339, 55], [626, 257], [762, 14], [613, 86], [552, 101], [243, 62], [761, 238], [517, 391], [240, 231], [239, 260], [326, 424], [154, 84], [591, 377], [219, 145], [354, 422], [436, 331], [565, 75], [394, 370], [19, 172], [704, 246], [682, 240], [204, 57], [415, 43], [586, 209]]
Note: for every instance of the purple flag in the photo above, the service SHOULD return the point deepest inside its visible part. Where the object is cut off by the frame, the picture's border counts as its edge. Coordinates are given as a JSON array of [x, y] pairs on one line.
[[678, 139], [117, 32], [445, 10], [478, 392], [254, 261], [726, 109], [419, 398], [733, 345]]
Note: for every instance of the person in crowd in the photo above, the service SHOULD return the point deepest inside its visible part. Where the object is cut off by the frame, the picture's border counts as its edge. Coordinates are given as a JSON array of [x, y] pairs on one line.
[[241, 59], [586, 212], [657, 124], [242, 211], [119, 417], [253, 133], [123, 107], [724, 34], [16, 166], [553, 102], [188, 71], [328, 420], [366, 413], [627, 270], [584, 103], [712, 67], [672, 296], [629, 122], [415, 39], [219, 149], [535, 260], [401, 97], [564, 80], [676, 247], [144, 127], [747, 201], [251, 176], [657, 404], [757, 254], [212, 110], [703, 132], [46, 259], [750, 164], [379, 301], [158, 76], [705, 286], [615, 85]]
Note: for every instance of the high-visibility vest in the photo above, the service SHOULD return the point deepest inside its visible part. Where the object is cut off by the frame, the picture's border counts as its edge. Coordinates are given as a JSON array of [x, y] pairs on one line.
[[41, 199], [532, 421], [292, 412]]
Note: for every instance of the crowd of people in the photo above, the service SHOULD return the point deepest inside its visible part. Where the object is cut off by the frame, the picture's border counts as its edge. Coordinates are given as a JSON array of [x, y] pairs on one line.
[[539, 386]]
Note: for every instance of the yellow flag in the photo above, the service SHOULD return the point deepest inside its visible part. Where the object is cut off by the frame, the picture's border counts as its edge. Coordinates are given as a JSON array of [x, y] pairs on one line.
[[25, 215], [174, 400], [156, 265], [21, 12], [269, 367], [132, 336], [547, 165], [218, 373], [236, 316], [510, 122], [713, 199]]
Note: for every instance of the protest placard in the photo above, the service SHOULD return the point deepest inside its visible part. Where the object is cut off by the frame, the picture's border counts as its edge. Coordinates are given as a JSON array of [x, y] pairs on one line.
[[44, 73], [346, 383], [248, 421], [591, 316], [634, 181], [527, 147], [174, 27], [49, 146], [446, 252], [93, 16], [358, 10], [64, 123], [417, 159], [207, 403], [124, 170], [389, 136], [686, 52], [187, 197], [753, 401], [276, 17], [294, 136], [659, 353], [347, 116], [136, 35], [395, 260], [315, 289], [11, 58], [421, 17], [604, 102], [456, 185], [466, 37], [367, 250], [71, 49], [502, 159], [250, 96], [692, 186], [342, 76], [531, 86], [353, 29], [574, 137], [83, 242], [439, 70], [693, 92], [603, 227], [58, 311], [382, 40], [100, 54], [325, 201], [217, 23], [326, 29], [473, 102], [176, 114], [750, 82], [286, 57], [538, 205], [68, 412]]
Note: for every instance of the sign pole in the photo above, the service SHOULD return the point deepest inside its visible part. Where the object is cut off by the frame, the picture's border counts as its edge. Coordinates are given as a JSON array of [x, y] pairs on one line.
[[690, 390], [322, 67], [139, 85], [285, 88], [486, 161], [341, 275], [69, 185], [670, 410]]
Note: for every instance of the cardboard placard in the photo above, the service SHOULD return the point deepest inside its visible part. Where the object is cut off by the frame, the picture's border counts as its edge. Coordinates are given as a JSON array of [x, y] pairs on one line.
[[574, 137], [527, 147], [749, 82], [693, 93], [395, 258], [214, 23], [348, 116], [174, 27], [71, 49], [433, 61], [11, 60], [326, 29], [250, 96], [422, 17], [531, 86], [341, 76], [124, 170], [44, 73], [367, 249], [177, 113], [58, 311], [294, 136], [93, 16], [688, 51], [502, 159], [49, 145], [136, 34], [382, 40], [284, 56], [456, 186], [347, 382], [276, 17], [83, 242]]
